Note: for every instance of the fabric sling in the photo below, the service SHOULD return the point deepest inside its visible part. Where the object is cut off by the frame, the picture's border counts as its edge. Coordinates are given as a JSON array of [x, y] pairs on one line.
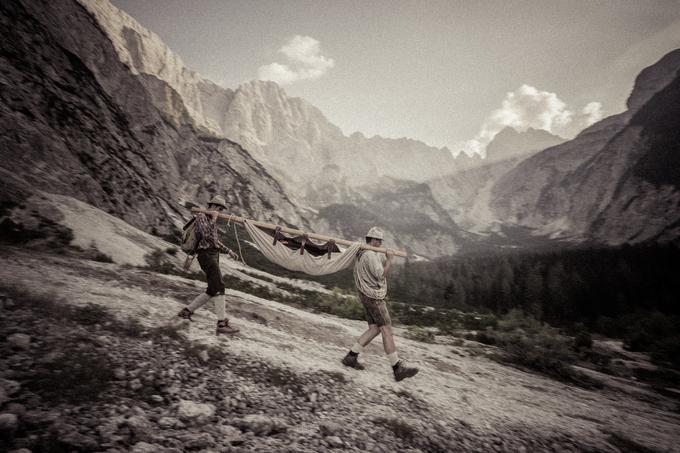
[[328, 260]]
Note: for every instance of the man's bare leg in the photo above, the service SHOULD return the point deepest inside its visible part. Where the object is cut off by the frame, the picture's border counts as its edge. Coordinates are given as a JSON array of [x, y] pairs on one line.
[[388, 340], [368, 336], [351, 359]]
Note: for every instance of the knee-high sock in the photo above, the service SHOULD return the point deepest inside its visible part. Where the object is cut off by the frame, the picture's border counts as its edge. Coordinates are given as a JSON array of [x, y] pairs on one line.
[[219, 306], [198, 302]]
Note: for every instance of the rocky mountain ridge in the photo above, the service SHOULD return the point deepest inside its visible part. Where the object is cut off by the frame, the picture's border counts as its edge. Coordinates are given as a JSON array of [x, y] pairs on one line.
[[289, 136]]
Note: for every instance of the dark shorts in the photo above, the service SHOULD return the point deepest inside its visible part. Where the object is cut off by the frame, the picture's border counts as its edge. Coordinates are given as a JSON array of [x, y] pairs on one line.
[[376, 310], [209, 260]]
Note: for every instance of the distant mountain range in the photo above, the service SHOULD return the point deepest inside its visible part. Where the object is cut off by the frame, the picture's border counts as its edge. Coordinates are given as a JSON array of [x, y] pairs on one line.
[[102, 110]]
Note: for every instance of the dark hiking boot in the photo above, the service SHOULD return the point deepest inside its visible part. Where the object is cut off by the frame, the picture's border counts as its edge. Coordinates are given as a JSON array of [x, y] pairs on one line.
[[185, 314], [401, 371], [224, 327], [352, 361]]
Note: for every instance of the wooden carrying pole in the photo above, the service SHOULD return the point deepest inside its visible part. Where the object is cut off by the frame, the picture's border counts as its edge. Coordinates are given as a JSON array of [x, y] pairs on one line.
[[320, 237]]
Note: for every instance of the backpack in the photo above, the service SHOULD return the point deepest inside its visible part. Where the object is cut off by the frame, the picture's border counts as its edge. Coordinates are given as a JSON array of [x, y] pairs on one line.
[[189, 237]]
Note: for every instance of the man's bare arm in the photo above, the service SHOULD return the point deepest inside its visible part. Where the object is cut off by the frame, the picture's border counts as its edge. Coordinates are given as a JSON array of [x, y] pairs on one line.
[[388, 263]]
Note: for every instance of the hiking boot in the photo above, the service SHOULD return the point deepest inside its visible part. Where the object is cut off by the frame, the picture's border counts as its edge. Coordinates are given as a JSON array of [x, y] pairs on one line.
[[224, 327], [352, 361], [401, 371], [185, 314]]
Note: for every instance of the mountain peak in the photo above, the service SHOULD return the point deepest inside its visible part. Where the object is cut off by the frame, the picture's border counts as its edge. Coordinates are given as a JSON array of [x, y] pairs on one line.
[[510, 143], [261, 85], [653, 79]]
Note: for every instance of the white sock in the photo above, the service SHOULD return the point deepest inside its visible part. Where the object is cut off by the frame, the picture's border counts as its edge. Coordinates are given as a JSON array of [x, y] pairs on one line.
[[219, 306], [198, 302], [393, 358], [356, 348]]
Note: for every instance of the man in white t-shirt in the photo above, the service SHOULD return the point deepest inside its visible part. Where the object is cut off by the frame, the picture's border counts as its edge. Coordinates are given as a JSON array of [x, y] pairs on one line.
[[370, 277]]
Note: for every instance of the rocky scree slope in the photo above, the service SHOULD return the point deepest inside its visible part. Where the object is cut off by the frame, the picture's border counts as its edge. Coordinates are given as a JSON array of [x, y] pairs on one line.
[[115, 372], [604, 184], [93, 359], [76, 121]]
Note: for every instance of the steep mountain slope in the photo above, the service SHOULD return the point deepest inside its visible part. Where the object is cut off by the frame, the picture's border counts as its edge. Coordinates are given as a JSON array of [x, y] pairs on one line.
[[76, 121], [646, 202], [466, 195], [414, 221], [593, 186]]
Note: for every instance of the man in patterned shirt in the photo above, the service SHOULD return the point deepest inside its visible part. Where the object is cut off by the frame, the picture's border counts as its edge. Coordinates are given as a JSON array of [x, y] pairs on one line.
[[208, 250]]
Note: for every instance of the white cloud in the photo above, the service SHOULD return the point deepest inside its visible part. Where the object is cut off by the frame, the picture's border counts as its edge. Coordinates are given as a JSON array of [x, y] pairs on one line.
[[592, 113], [305, 62], [527, 107]]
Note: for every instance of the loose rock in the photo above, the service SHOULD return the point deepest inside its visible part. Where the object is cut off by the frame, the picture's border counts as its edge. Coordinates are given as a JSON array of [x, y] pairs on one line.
[[167, 422], [140, 426], [20, 340], [261, 425], [143, 447], [329, 428], [9, 423], [192, 410], [10, 387], [334, 441]]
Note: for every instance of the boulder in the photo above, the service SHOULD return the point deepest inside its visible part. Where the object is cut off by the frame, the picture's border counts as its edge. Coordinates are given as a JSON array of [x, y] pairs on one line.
[[20, 340], [144, 447], [329, 428], [192, 410], [262, 425], [168, 422], [10, 387], [8, 423], [140, 426]]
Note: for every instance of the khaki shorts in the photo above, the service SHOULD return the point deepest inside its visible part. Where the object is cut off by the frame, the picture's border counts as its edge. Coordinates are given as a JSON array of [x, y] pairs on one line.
[[376, 310]]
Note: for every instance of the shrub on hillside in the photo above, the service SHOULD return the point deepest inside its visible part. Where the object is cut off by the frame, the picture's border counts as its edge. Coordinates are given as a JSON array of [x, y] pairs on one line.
[[417, 333], [339, 304], [157, 261]]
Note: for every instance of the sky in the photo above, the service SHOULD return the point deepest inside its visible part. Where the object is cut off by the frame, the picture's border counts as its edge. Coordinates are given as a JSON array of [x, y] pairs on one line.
[[449, 73]]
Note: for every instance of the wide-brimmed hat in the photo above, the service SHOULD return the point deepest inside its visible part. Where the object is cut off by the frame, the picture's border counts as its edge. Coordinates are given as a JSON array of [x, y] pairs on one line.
[[219, 201], [375, 233]]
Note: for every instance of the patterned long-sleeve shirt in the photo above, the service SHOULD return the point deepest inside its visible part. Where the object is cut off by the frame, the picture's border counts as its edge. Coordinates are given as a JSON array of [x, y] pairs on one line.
[[207, 234]]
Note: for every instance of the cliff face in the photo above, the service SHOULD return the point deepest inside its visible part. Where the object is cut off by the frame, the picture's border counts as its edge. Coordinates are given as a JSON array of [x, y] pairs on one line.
[[604, 184], [77, 121]]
